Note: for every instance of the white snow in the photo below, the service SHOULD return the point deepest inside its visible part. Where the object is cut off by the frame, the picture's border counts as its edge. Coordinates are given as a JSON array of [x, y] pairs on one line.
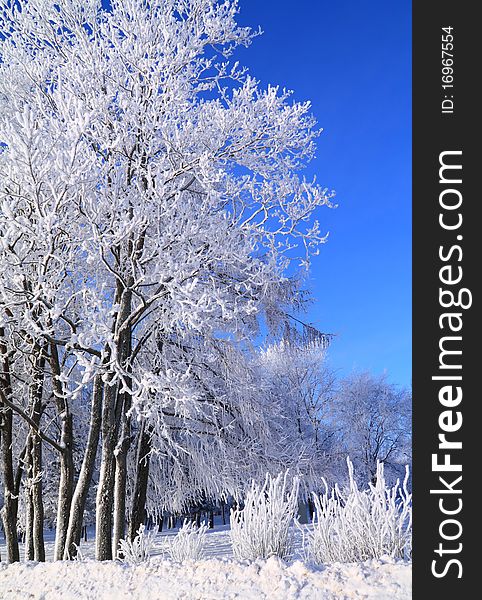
[[205, 580], [219, 576]]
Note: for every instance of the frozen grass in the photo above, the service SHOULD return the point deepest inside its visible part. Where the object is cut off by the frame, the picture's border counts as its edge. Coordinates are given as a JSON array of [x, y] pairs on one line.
[[139, 549], [220, 576], [262, 528], [361, 524], [188, 543]]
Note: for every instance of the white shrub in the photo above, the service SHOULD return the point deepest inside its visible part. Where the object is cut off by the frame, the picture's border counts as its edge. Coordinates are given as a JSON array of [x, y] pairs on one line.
[[138, 550], [262, 528], [79, 555], [188, 543], [360, 525]]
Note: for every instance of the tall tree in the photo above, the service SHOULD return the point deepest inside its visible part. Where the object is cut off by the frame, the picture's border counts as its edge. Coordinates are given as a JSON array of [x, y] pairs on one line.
[[155, 186]]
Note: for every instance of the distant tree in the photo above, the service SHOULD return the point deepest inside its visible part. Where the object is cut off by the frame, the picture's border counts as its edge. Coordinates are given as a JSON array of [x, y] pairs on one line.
[[304, 384], [373, 418]]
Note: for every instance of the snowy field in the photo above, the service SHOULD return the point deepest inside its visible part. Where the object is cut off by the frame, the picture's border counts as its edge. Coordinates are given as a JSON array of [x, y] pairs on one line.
[[219, 576]]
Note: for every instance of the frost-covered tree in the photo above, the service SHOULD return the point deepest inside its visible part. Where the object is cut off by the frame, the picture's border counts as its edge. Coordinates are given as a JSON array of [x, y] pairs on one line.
[[373, 418], [149, 196], [300, 376]]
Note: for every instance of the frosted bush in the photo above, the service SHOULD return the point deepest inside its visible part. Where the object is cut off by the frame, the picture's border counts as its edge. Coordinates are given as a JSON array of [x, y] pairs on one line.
[[262, 528], [188, 543], [139, 549], [79, 555], [360, 525]]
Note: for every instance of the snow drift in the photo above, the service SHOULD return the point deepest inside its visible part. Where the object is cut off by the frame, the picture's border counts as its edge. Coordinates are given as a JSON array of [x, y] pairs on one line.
[[205, 580]]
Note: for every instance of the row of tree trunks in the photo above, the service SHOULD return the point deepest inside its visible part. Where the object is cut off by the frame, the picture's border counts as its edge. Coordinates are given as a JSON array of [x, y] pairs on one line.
[[109, 415]]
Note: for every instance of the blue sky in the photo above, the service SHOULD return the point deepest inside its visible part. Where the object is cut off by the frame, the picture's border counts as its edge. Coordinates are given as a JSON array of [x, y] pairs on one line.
[[352, 59]]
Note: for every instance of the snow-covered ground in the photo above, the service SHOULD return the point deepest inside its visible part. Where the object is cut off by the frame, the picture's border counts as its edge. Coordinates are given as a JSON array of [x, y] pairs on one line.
[[219, 576]]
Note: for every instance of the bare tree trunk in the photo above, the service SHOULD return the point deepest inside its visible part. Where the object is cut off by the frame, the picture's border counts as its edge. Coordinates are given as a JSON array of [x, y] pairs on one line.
[[10, 503], [122, 422], [28, 534], [66, 483], [103, 535], [37, 500], [65, 487], [34, 517], [36, 475], [120, 484], [74, 530], [141, 481], [122, 448]]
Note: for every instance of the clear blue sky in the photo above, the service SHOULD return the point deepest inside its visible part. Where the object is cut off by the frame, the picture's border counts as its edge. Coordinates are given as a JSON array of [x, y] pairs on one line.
[[352, 59]]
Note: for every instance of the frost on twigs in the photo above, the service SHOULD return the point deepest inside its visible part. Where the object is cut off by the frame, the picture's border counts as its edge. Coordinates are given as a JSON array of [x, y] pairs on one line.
[[139, 549], [361, 524], [262, 528], [188, 543]]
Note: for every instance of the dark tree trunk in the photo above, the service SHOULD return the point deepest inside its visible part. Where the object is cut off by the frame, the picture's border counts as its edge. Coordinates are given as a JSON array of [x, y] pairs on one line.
[[79, 498], [120, 487], [9, 510], [35, 460], [311, 508], [105, 490], [66, 483], [37, 500], [28, 532], [113, 410], [138, 508], [122, 448]]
